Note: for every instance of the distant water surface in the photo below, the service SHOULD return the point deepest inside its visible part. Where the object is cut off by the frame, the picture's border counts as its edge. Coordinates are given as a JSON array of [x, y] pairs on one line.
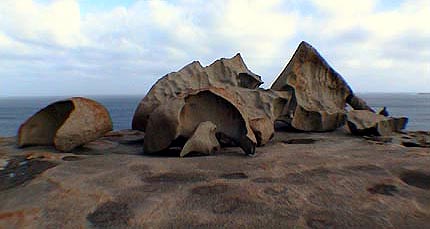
[[14, 111]]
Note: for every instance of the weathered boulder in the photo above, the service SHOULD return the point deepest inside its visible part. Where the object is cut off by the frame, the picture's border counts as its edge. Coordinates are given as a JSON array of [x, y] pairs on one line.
[[203, 140], [319, 92], [66, 124], [363, 122], [180, 116], [262, 107], [223, 73]]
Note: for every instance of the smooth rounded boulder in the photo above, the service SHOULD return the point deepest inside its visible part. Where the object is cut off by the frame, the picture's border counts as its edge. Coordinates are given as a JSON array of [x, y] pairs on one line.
[[66, 124]]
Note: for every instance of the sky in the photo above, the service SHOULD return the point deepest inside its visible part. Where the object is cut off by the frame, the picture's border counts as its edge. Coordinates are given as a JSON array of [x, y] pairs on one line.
[[121, 47]]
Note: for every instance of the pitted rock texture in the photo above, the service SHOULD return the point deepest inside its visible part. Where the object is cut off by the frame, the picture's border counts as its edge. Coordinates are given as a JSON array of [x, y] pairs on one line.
[[223, 73], [319, 92], [203, 140], [338, 181], [180, 116], [364, 122], [238, 85], [66, 124]]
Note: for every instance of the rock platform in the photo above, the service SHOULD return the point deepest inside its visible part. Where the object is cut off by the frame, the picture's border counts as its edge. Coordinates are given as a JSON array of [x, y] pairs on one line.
[[298, 180]]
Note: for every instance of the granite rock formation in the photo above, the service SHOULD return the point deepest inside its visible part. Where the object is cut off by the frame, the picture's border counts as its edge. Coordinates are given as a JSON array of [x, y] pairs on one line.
[[320, 94], [202, 141], [180, 117], [231, 80], [364, 122], [297, 180], [66, 124], [223, 73]]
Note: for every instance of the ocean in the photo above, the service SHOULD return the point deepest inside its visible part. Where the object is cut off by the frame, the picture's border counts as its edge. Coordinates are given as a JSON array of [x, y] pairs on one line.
[[14, 111]]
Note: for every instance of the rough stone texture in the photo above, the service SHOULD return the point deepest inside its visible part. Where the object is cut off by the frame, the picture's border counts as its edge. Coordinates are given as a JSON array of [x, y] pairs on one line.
[[319, 92], [358, 103], [223, 73], [125, 136], [262, 107], [364, 122], [334, 181], [202, 141], [180, 116], [415, 139], [66, 124]]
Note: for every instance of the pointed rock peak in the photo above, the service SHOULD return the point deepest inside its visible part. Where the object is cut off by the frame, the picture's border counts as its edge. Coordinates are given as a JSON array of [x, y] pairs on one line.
[[320, 91], [194, 66], [305, 44]]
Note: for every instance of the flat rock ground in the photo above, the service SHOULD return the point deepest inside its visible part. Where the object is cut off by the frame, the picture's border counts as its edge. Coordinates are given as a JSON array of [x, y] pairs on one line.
[[299, 180]]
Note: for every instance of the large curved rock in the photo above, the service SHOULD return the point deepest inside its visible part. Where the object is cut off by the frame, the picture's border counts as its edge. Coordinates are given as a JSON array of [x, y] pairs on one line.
[[263, 108], [221, 74], [179, 117], [319, 92], [66, 124]]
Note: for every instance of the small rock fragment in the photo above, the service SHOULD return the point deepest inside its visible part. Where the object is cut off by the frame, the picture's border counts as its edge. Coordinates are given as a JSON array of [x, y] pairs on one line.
[[203, 140]]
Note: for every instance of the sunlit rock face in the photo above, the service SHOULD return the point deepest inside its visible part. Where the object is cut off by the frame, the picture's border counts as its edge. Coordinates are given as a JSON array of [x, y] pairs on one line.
[[319, 92], [66, 124]]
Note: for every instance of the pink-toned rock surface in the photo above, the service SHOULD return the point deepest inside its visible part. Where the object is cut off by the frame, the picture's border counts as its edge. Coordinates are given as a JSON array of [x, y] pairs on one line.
[[298, 180]]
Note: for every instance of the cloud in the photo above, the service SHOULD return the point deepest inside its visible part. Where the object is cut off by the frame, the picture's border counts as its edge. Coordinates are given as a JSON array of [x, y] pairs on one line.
[[125, 49]]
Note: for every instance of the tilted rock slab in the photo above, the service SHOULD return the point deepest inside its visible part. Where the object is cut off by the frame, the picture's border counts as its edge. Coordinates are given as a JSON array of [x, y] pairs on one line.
[[179, 117], [66, 124], [363, 122], [203, 140], [319, 92]]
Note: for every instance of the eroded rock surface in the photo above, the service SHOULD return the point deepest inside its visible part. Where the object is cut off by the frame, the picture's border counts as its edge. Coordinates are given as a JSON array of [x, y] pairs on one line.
[[202, 141], [335, 180], [319, 92], [66, 124], [230, 80], [180, 116], [220, 74], [364, 122]]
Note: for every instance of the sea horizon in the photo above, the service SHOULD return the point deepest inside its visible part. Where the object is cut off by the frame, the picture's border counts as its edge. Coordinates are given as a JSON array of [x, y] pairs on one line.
[[143, 94], [14, 110]]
